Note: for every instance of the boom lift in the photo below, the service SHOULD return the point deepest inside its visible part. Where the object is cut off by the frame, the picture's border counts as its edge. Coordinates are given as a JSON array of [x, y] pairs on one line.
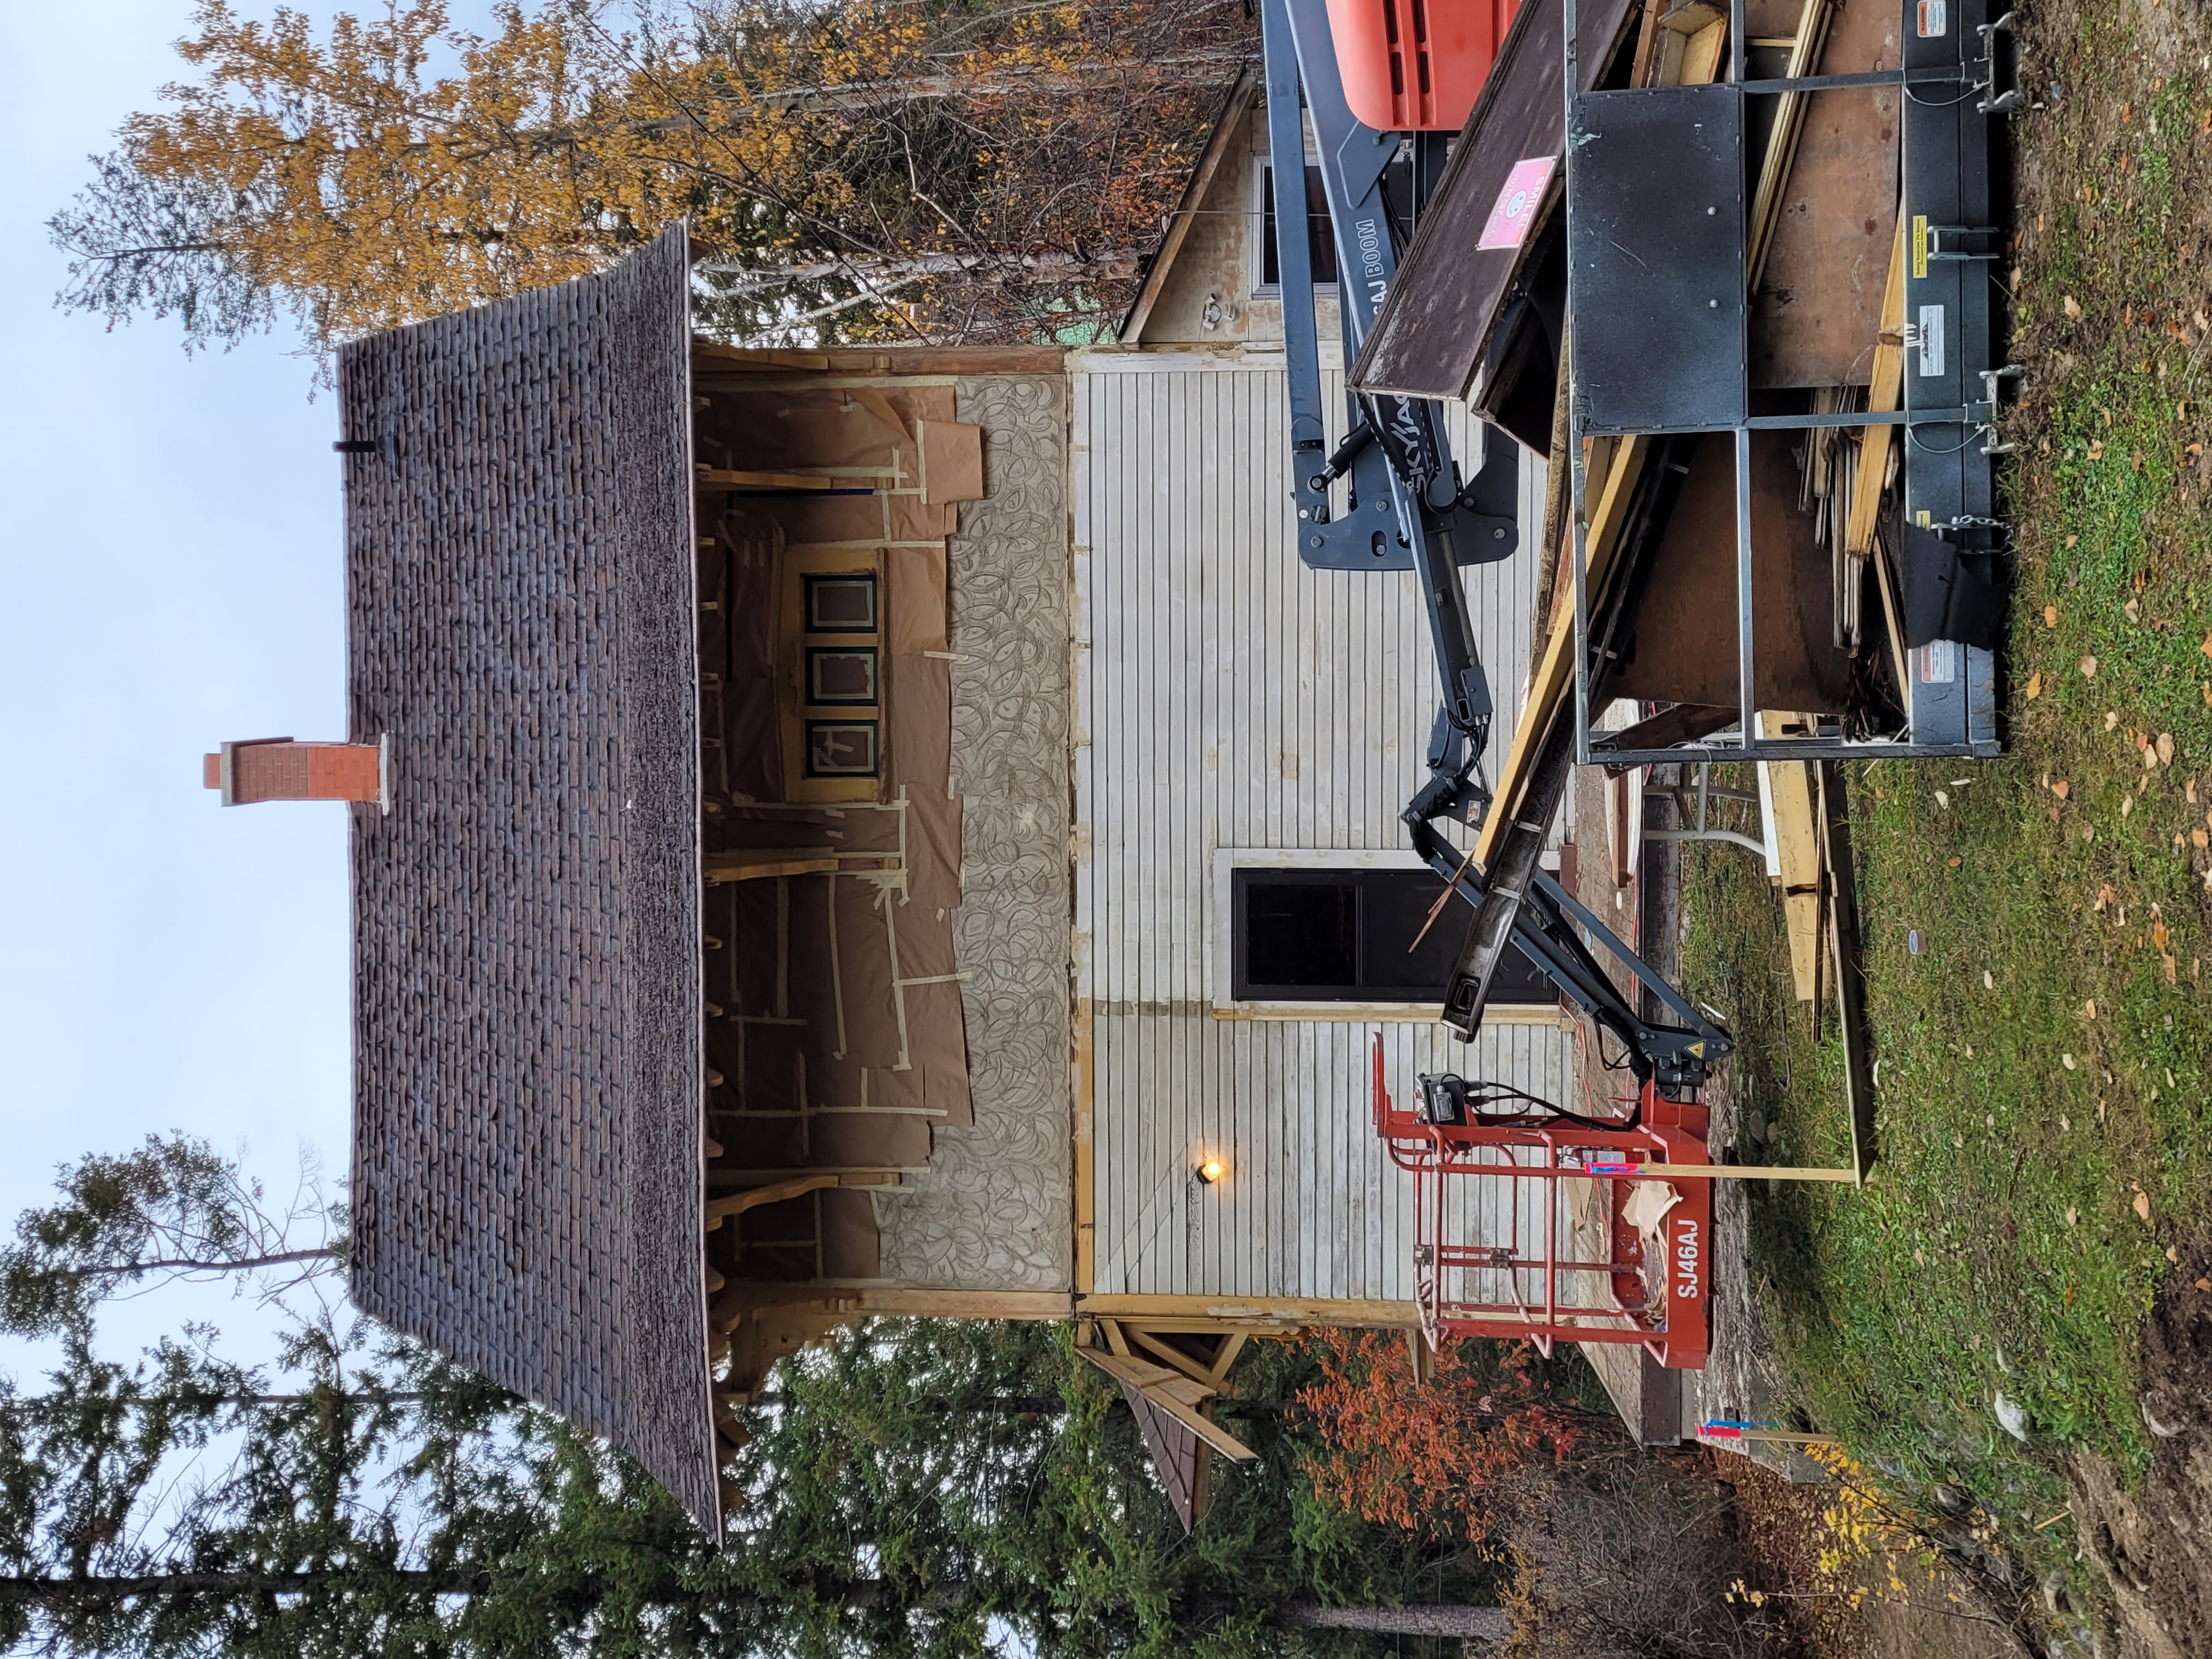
[[1411, 508]]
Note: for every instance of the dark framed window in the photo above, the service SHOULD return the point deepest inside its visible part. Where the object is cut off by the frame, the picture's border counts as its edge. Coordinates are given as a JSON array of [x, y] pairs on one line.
[[840, 604], [841, 748], [1347, 936], [1321, 235], [841, 674]]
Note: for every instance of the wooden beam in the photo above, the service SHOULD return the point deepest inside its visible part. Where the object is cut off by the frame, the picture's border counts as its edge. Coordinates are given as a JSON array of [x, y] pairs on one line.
[[1732, 1172], [1241, 97], [720, 1209], [1225, 1356], [1788, 122], [1171, 1392], [1197, 1370], [1797, 849], [1553, 681], [893, 362], [1116, 1342], [1225, 1313], [1885, 386]]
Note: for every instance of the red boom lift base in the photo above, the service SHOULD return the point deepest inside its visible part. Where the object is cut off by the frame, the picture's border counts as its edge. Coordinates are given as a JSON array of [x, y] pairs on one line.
[[1475, 1180]]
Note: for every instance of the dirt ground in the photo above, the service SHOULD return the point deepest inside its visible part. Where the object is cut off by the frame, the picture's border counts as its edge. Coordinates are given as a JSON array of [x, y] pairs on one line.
[[2156, 1544], [1781, 1526]]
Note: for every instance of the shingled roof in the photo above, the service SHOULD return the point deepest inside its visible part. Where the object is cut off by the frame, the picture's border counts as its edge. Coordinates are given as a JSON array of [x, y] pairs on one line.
[[528, 1163]]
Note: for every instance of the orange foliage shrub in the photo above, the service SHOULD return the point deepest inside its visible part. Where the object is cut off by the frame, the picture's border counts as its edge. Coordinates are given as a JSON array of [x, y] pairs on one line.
[[1445, 1453]]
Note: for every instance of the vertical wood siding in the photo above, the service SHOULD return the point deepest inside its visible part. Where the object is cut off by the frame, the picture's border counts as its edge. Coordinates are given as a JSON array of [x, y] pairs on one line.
[[1228, 696]]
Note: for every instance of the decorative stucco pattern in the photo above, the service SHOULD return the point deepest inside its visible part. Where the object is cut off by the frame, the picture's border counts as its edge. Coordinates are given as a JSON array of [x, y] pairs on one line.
[[994, 1210]]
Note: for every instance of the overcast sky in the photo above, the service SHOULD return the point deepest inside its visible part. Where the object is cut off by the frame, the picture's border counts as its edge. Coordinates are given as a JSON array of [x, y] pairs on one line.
[[170, 576]]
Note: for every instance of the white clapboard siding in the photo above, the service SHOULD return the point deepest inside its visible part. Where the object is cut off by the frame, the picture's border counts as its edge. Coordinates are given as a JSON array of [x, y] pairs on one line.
[[1228, 696]]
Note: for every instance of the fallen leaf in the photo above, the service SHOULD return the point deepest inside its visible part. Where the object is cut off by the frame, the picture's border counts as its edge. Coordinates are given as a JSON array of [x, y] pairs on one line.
[[2111, 719], [1921, 1257], [2207, 646], [2096, 449], [2072, 1215], [2205, 1285], [2061, 788], [2074, 541], [2051, 616], [2089, 667], [1987, 983], [2035, 685], [1942, 800], [2104, 897], [2067, 1060], [2127, 805], [2137, 460], [2143, 1205], [2167, 964], [2197, 838], [1955, 863], [2159, 936], [2073, 307], [2089, 1008], [2165, 749], [2065, 1123], [2134, 609]]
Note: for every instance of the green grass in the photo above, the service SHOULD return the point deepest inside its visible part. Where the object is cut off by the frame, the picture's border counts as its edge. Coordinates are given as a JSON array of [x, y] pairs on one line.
[[1998, 1245]]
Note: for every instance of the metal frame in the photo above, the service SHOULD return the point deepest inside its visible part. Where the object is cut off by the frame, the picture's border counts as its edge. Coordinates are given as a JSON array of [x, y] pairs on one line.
[[1671, 1319], [1931, 152]]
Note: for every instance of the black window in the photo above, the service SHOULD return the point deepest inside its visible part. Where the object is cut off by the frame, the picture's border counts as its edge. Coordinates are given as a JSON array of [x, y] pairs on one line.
[[1347, 936], [1321, 238]]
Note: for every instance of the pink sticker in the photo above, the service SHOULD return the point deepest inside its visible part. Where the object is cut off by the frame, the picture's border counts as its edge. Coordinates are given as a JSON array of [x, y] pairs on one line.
[[1515, 209]]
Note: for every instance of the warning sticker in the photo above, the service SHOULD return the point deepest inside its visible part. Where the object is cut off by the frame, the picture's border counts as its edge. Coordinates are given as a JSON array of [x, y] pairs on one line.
[[1515, 209], [1935, 18], [1936, 663], [1931, 339], [1920, 245]]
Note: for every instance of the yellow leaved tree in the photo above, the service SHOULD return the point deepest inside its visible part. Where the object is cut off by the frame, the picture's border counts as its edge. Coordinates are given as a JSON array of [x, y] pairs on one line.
[[864, 167]]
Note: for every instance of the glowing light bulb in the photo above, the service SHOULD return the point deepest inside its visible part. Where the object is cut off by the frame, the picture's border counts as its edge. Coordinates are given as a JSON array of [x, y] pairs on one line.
[[1211, 1170]]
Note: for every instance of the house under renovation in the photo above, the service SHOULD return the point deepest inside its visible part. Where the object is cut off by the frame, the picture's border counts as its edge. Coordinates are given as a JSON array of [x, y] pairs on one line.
[[856, 832]]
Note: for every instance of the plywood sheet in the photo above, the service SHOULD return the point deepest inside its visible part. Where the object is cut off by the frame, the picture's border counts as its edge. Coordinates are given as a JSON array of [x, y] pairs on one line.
[[1818, 308], [1438, 318], [1684, 649]]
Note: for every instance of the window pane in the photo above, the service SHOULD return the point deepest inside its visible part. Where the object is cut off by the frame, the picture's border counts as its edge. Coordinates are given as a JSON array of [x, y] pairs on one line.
[[846, 675], [841, 748], [1321, 238], [1393, 904], [840, 605], [1303, 934]]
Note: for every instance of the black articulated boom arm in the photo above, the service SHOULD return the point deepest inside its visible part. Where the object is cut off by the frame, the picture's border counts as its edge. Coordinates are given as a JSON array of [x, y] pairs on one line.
[[1411, 508]]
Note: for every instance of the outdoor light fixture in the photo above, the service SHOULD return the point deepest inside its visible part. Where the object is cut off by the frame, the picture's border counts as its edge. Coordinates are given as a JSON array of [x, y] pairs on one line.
[[1211, 1170]]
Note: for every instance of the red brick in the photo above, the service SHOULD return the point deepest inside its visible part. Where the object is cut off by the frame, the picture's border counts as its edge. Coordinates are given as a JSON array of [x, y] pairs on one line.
[[303, 771]]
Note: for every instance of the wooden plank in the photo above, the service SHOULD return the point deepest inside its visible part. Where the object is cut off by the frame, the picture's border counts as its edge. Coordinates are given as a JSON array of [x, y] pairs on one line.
[[1789, 121], [1242, 97], [1225, 1356], [1736, 1172], [1437, 319], [1552, 683], [1164, 1388], [718, 1209], [1788, 785], [1850, 962], [1884, 388], [1228, 1312], [1196, 1370], [893, 362]]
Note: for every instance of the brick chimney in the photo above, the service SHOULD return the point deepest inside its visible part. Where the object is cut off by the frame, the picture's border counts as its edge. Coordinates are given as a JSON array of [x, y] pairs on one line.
[[278, 769]]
